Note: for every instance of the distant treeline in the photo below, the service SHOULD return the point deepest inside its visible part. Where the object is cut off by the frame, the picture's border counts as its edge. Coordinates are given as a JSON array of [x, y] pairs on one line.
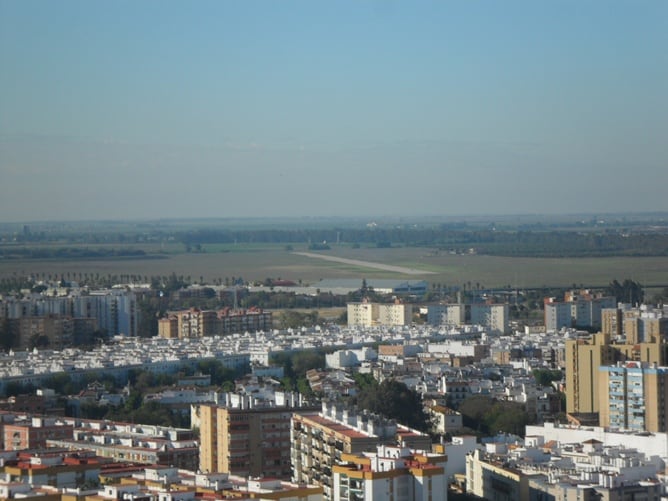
[[11, 252], [547, 242], [491, 242]]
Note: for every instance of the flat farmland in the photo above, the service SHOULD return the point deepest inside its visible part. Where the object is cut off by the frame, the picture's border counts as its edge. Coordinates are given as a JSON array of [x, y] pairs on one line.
[[258, 261]]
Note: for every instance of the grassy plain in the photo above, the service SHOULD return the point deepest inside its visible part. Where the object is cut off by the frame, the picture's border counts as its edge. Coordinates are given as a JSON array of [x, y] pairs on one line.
[[259, 261]]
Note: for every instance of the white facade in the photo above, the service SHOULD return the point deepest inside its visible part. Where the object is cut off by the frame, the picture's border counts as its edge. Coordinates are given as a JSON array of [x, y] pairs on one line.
[[349, 358], [577, 313], [491, 316], [445, 420], [451, 315], [459, 349], [557, 315], [652, 444], [457, 451]]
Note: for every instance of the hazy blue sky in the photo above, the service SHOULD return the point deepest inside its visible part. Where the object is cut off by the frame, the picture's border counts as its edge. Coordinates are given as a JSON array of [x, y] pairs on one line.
[[143, 109]]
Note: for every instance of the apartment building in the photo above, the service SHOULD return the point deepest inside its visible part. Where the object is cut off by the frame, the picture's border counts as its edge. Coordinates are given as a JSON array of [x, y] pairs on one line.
[[488, 315], [583, 471], [174, 484], [391, 473], [367, 314], [474, 350], [53, 331], [129, 442], [450, 315], [581, 308], [114, 310], [168, 327], [251, 320], [52, 466], [31, 433], [28, 492], [643, 325], [635, 324], [246, 440], [584, 356], [319, 441], [491, 316], [196, 323], [634, 396], [489, 478]]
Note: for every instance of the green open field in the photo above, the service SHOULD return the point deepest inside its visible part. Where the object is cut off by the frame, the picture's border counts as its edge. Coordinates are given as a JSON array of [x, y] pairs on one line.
[[258, 261]]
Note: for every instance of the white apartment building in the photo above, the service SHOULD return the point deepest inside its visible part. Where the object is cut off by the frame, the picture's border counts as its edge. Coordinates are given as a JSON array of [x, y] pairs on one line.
[[491, 316], [450, 315], [391, 473], [578, 310], [652, 444], [114, 309]]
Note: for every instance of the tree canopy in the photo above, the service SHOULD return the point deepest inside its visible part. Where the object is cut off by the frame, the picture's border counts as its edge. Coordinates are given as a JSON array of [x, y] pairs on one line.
[[544, 377], [394, 400], [489, 416], [626, 292]]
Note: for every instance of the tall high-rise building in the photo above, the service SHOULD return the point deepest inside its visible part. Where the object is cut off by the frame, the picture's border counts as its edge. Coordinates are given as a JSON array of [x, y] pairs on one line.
[[115, 310], [612, 322], [245, 440], [584, 357]]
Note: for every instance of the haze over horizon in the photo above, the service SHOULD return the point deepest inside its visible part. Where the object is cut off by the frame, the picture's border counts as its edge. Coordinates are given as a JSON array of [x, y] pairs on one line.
[[147, 110]]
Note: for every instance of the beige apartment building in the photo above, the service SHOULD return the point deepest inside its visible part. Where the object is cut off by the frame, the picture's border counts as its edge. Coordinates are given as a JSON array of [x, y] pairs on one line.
[[584, 357], [634, 324], [196, 323], [245, 441], [366, 314]]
